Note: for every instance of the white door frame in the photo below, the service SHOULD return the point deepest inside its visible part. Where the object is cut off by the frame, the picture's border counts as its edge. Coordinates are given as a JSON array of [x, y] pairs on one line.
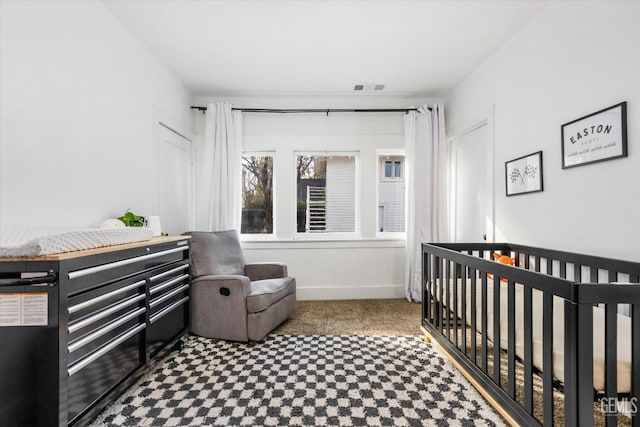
[[161, 120], [486, 118]]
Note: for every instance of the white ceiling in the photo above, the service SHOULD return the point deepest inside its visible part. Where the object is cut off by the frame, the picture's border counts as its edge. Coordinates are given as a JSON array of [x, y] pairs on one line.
[[253, 47]]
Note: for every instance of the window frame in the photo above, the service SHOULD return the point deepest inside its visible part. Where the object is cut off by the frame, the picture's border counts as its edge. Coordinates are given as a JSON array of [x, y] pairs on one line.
[[334, 235], [261, 236], [380, 177]]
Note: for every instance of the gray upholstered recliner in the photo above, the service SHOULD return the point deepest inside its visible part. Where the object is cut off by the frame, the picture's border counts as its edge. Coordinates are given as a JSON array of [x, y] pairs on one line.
[[233, 300]]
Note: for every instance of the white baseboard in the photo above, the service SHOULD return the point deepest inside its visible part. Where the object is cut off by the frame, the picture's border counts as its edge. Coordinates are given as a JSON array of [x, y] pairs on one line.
[[350, 292]]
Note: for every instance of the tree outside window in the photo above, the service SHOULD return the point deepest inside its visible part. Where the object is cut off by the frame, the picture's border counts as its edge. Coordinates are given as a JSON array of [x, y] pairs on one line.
[[257, 194]]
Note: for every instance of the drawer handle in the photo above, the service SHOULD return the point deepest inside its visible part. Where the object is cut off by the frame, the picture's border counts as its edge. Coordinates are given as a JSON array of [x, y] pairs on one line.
[[73, 346], [74, 326], [40, 280], [111, 265], [162, 286], [169, 273], [168, 295], [104, 350], [103, 297], [167, 310]]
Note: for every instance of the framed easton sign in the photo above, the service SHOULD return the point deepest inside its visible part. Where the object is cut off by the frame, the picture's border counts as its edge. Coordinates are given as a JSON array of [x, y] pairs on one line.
[[594, 138]]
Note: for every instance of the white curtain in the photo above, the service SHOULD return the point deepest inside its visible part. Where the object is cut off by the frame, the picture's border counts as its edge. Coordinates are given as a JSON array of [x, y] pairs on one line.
[[426, 156], [219, 170]]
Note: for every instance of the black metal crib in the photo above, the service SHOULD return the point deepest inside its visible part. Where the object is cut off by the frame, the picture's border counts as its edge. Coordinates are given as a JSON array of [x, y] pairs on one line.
[[545, 320]]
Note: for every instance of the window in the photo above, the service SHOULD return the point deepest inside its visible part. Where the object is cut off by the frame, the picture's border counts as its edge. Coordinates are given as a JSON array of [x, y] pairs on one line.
[[326, 192], [397, 171], [393, 169], [391, 193], [257, 193], [387, 169]]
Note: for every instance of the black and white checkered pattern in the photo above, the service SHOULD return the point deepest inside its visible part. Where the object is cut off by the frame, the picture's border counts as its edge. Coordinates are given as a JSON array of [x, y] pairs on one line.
[[305, 381]]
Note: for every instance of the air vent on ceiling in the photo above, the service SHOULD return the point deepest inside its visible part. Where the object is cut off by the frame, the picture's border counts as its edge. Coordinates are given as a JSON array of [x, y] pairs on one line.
[[366, 87]]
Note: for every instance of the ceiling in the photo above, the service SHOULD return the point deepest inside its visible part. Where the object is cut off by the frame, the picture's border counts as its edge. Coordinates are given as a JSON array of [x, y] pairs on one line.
[[253, 47]]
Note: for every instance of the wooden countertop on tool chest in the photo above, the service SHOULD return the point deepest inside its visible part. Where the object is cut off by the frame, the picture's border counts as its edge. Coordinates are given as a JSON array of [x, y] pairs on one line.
[[96, 251]]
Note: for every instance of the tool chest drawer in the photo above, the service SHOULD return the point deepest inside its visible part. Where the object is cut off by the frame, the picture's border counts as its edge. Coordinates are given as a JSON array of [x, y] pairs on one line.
[[98, 319]]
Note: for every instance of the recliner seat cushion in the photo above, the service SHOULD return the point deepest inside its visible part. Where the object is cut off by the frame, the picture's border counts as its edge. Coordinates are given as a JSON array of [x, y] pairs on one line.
[[265, 293], [216, 253]]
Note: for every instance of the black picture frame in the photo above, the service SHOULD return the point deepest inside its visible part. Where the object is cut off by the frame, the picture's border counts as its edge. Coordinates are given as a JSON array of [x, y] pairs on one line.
[[524, 174], [596, 137]]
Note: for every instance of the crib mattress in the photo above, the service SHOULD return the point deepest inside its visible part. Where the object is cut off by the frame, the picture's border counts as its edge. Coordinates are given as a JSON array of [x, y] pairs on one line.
[[623, 331], [33, 242]]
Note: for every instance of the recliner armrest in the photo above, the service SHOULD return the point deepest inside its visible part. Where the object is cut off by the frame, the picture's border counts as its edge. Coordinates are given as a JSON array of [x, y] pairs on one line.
[[228, 281], [265, 270], [219, 306]]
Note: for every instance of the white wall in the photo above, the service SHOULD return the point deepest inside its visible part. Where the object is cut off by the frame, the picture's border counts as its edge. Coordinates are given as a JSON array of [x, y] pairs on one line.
[[79, 97], [573, 59], [360, 266]]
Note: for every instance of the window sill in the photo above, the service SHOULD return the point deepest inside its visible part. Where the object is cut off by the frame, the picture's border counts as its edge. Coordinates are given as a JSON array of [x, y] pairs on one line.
[[323, 244]]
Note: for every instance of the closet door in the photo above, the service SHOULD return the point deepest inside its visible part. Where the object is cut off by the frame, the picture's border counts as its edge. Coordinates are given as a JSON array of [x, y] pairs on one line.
[[472, 202], [175, 181]]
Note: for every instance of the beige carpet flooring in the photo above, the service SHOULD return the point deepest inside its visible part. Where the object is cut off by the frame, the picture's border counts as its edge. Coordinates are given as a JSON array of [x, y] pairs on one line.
[[354, 317]]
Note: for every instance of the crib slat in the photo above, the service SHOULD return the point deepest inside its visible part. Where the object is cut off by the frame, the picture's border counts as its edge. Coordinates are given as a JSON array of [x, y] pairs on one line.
[[447, 302], [496, 329], [434, 289], [570, 364], [578, 390], [611, 350], [585, 367], [547, 358], [528, 351], [440, 293], [484, 343], [464, 310], [635, 357], [474, 306], [511, 340], [455, 304], [426, 297], [611, 355]]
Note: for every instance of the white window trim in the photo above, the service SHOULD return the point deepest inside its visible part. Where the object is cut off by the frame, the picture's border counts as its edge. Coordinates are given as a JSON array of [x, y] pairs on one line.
[[390, 235], [323, 244], [335, 236]]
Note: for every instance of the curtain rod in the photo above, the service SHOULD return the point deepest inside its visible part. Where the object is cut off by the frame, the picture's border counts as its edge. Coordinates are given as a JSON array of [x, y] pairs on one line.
[[316, 110]]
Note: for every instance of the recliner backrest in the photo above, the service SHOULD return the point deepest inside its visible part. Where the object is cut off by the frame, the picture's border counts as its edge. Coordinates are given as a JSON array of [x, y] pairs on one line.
[[216, 253]]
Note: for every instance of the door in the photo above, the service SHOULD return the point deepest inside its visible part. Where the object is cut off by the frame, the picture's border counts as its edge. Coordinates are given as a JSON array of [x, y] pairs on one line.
[[175, 181], [472, 185]]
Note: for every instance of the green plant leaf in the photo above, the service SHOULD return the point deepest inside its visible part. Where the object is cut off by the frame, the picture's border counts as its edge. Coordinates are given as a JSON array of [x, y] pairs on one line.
[[132, 220]]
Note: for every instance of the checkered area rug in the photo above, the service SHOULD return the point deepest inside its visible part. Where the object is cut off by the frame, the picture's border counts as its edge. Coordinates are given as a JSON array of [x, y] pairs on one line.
[[302, 381]]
